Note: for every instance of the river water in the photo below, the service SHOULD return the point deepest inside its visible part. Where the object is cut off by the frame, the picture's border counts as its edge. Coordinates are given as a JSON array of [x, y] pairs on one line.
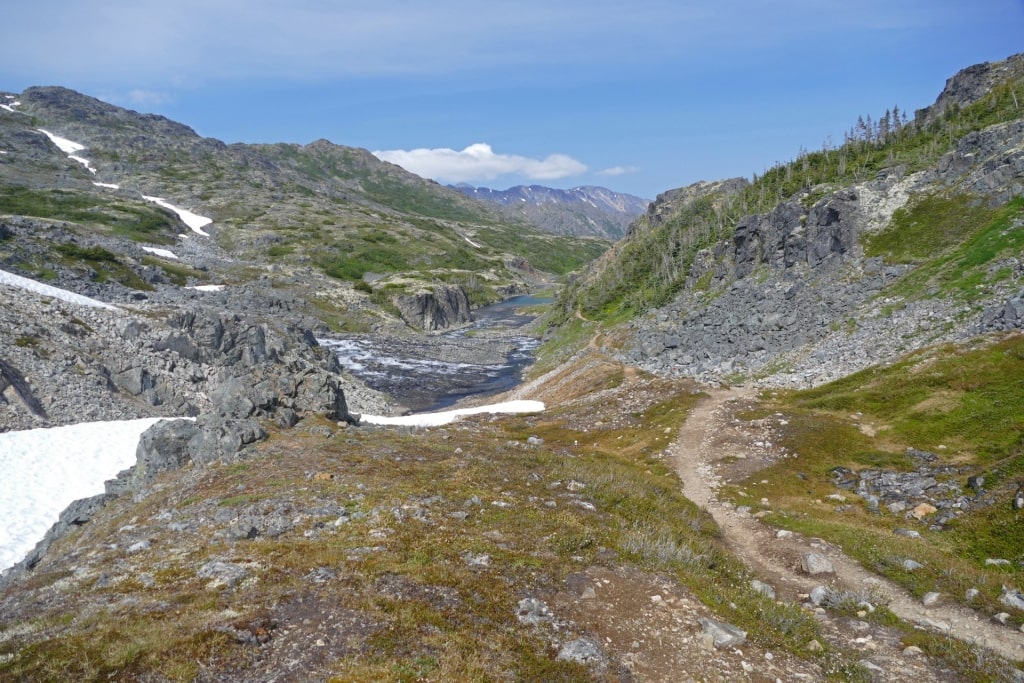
[[434, 372]]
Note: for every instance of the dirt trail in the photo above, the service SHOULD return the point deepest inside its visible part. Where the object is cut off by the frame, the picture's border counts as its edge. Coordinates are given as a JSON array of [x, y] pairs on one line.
[[708, 436]]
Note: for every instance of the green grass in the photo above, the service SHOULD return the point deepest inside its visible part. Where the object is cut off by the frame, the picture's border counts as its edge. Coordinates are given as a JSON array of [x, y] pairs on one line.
[[424, 611], [106, 266], [954, 240], [966, 404], [135, 221], [653, 263]]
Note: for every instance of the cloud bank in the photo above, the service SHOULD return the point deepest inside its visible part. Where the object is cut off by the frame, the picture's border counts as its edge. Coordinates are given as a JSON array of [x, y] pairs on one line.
[[617, 170], [480, 162]]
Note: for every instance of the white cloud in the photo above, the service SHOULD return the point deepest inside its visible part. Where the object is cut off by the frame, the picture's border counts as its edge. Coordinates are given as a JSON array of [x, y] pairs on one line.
[[480, 162], [618, 170]]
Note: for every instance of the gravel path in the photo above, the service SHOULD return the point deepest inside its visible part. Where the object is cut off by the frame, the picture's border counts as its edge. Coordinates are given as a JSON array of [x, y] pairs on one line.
[[707, 435]]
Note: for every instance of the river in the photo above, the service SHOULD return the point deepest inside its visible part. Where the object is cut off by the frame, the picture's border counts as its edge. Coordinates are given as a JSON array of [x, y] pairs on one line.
[[427, 373]]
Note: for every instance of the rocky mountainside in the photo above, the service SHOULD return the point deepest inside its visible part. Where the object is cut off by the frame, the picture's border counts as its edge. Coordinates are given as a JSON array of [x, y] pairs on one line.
[[850, 257], [588, 210], [644, 527], [316, 219]]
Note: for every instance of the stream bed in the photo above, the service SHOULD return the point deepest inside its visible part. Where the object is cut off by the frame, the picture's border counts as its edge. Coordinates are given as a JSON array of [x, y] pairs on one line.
[[433, 372]]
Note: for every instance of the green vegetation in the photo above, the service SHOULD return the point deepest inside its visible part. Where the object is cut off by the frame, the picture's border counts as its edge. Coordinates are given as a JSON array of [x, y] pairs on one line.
[[652, 267], [955, 239], [652, 264], [547, 253], [104, 265], [964, 404], [135, 221], [178, 273], [596, 497]]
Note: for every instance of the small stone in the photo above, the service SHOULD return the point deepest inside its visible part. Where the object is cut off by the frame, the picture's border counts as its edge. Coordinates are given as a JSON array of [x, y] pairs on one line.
[[997, 562], [724, 635], [535, 441], [896, 507], [815, 646], [138, 547], [783, 533], [912, 651], [971, 594], [476, 559], [763, 588], [907, 533], [911, 565], [532, 612], [1002, 618], [931, 599], [822, 595], [1012, 597], [581, 651], [816, 563], [323, 476]]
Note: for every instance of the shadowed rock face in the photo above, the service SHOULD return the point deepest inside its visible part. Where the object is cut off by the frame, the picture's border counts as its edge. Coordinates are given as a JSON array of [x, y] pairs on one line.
[[439, 309]]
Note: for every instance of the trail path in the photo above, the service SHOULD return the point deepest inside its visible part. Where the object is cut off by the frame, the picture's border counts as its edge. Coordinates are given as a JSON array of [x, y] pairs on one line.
[[709, 435]]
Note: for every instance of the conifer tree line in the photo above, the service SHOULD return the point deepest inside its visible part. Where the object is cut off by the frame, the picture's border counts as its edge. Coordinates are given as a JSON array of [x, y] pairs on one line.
[[653, 263]]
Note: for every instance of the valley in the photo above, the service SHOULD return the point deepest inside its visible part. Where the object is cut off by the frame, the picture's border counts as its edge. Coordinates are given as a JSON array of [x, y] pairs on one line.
[[773, 432]]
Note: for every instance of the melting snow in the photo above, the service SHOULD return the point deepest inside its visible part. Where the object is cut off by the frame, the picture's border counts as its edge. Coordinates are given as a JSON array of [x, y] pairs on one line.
[[192, 220], [68, 147], [44, 470], [46, 290], [472, 243], [447, 416], [161, 252], [65, 145], [207, 288], [83, 161], [109, 186]]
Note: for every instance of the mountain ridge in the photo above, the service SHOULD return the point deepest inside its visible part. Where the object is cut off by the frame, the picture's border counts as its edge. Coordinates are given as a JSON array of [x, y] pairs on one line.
[[584, 210], [279, 538]]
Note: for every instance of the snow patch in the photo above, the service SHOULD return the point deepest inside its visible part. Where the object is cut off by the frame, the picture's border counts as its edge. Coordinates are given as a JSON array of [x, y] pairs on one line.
[[109, 186], [472, 243], [161, 252], [47, 290], [83, 161], [45, 470], [207, 288], [65, 145], [192, 220], [448, 416]]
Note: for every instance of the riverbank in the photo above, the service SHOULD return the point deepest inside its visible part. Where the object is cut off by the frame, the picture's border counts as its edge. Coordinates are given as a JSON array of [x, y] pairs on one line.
[[425, 373]]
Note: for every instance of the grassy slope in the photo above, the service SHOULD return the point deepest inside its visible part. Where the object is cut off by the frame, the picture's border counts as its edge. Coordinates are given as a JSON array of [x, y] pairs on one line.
[[652, 264], [425, 612], [964, 404]]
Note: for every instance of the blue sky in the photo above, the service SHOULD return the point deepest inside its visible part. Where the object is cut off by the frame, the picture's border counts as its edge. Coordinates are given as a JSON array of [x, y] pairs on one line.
[[640, 96]]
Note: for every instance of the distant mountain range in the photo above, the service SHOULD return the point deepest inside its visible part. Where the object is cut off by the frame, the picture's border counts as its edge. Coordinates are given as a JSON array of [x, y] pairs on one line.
[[584, 211]]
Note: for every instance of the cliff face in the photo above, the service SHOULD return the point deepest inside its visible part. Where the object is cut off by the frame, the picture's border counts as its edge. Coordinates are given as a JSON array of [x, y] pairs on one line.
[[438, 309]]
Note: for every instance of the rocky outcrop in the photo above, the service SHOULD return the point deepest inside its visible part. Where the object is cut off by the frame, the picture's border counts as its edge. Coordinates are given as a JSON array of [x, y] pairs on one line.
[[791, 296], [443, 307]]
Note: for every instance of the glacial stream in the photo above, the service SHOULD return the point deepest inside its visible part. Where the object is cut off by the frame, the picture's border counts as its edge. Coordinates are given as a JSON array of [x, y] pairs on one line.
[[434, 372]]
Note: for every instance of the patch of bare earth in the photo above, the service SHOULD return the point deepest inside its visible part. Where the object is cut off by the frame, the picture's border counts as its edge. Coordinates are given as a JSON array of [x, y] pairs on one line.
[[713, 448]]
